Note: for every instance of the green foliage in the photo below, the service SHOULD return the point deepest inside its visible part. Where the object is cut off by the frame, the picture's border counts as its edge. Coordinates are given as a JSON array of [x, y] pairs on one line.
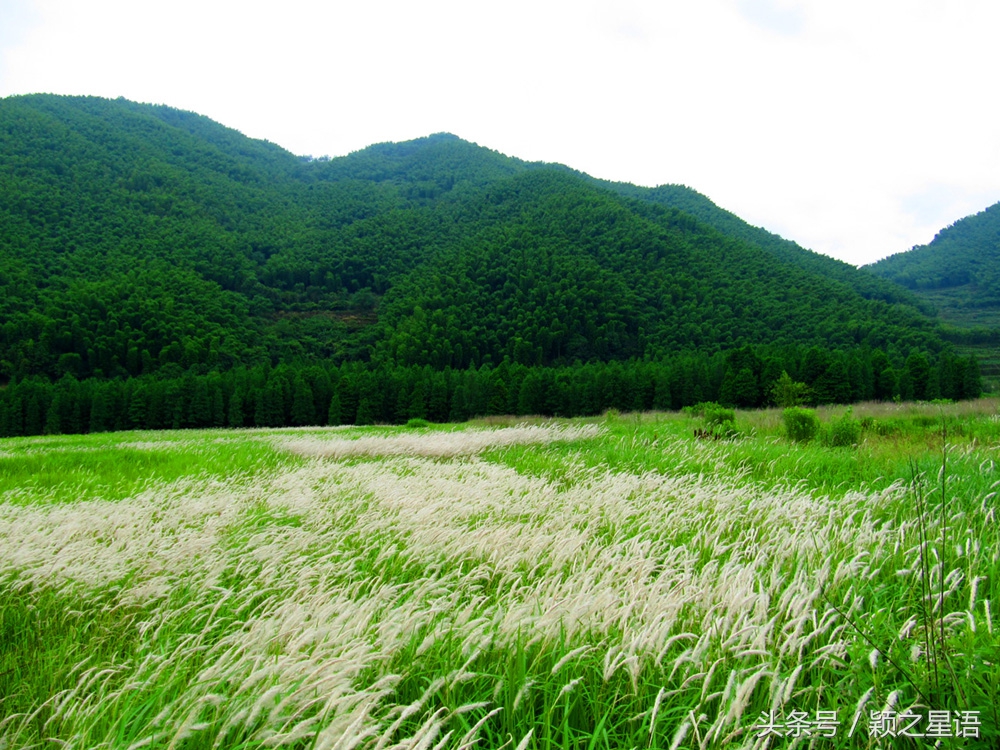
[[786, 392], [434, 252], [843, 432], [868, 285], [957, 272], [701, 408], [801, 425], [417, 423], [717, 416], [310, 394]]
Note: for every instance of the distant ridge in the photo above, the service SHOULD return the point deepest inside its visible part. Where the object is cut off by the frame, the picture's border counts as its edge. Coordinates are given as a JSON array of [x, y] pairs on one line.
[[958, 271]]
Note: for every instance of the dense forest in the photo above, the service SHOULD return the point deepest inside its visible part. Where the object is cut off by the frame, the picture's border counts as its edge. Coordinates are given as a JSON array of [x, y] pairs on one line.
[[354, 393], [151, 259], [958, 272]]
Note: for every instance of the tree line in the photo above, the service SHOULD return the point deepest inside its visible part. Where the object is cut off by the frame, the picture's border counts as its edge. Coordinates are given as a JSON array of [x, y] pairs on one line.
[[362, 393]]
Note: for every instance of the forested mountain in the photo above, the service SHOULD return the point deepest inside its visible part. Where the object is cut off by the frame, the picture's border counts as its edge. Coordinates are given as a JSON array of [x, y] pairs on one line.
[[958, 272], [139, 241], [694, 203]]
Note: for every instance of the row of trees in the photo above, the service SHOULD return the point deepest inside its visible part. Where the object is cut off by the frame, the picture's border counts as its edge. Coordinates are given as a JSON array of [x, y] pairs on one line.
[[354, 393]]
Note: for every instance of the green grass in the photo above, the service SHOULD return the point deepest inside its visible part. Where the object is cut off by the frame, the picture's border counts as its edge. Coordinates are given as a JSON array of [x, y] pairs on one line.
[[113, 466], [623, 590]]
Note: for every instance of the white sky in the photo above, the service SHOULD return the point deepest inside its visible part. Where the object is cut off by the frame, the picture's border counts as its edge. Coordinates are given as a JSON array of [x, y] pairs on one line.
[[857, 128]]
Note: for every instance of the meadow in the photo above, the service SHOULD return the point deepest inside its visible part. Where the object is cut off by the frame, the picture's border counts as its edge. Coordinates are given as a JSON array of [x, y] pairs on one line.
[[634, 580]]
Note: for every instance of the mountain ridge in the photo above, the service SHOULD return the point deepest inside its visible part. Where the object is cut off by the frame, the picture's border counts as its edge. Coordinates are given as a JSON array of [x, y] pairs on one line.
[[958, 271], [103, 196]]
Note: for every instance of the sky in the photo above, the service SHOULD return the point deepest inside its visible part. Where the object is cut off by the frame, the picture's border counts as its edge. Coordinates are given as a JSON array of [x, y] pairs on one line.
[[857, 128]]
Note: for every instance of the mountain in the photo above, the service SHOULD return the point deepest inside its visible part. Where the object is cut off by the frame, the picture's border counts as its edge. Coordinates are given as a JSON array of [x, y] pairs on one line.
[[861, 281], [139, 239], [958, 272]]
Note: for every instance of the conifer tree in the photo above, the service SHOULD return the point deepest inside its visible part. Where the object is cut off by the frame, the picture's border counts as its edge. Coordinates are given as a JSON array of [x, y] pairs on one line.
[[270, 405], [53, 418], [437, 406], [217, 400], [788, 393], [138, 407], [234, 416], [100, 410], [201, 403], [833, 387], [322, 389], [497, 398], [302, 403], [918, 369], [459, 406], [662, 396], [5, 417], [417, 407], [347, 397], [334, 416], [366, 411], [35, 411]]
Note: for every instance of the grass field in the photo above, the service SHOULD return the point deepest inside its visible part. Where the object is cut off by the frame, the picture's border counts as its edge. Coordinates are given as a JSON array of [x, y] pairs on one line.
[[602, 583]]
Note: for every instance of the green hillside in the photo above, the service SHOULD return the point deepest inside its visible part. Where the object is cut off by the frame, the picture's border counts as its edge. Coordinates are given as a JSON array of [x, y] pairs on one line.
[[694, 203], [133, 236], [958, 272], [145, 246], [958, 276]]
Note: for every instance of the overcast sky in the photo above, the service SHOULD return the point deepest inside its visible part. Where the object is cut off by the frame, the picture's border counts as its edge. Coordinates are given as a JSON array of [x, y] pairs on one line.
[[857, 128]]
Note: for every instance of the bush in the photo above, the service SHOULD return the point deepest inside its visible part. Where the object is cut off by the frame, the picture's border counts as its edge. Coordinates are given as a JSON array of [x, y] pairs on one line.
[[418, 423], [801, 425], [711, 412], [844, 431], [718, 416]]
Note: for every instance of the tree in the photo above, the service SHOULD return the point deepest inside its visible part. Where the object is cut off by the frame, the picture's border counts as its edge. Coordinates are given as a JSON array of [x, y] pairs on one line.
[[919, 370], [746, 390], [833, 386], [459, 407], [334, 415], [886, 384], [201, 403], [531, 398], [437, 407], [235, 416], [972, 387], [54, 415], [787, 392], [269, 411], [662, 395], [100, 410], [346, 395], [302, 403], [138, 407]]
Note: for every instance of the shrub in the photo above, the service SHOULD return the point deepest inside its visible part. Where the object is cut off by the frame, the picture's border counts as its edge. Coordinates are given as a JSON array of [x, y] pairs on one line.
[[718, 416], [417, 423], [801, 425], [844, 431], [702, 408]]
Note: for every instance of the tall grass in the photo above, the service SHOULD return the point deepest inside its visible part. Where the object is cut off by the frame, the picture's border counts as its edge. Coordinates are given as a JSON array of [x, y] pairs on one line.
[[611, 583]]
